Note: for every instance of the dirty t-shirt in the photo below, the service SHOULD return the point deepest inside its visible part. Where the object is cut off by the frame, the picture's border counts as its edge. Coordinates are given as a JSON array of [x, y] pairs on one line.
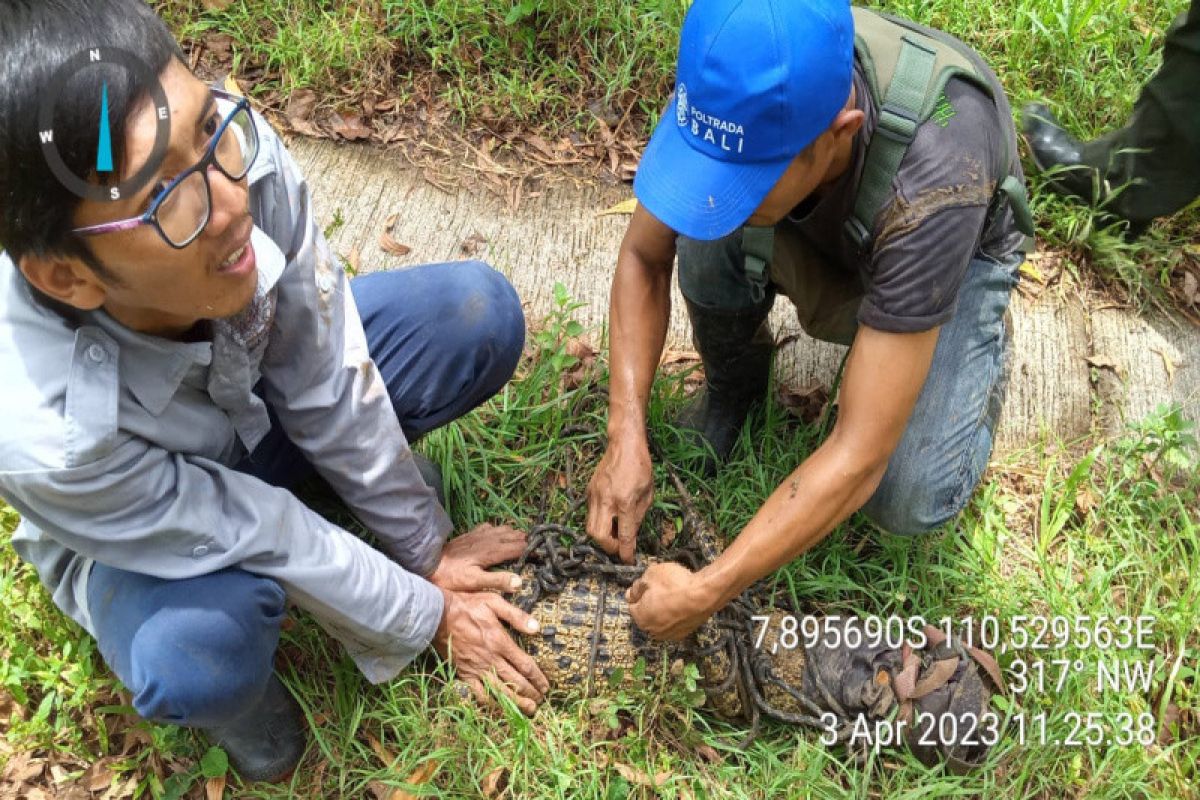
[[926, 237]]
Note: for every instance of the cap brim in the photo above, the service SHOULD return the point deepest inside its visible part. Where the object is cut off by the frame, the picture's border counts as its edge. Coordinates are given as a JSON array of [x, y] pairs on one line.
[[697, 196]]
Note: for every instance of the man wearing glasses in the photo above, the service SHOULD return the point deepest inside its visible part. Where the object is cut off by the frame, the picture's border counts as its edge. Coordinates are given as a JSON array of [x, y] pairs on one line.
[[177, 357]]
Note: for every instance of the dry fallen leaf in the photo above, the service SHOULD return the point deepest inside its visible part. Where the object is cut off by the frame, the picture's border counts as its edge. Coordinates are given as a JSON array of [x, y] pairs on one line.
[[23, 768], [382, 752], [1168, 364], [671, 357], [1100, 361], [214, 788], [352, 261], [231, 86], [388, 243], [1168, 726], [709, 754], [98, 776], [639, 778], [471, 245], [419, 777], [495, 782], [1191, 289], [623, 207], [300, 105], [351, 127], [807, 402], [216, 5]]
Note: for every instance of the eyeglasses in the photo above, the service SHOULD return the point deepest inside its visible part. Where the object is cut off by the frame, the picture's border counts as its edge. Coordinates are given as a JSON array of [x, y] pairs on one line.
[[181, 211]]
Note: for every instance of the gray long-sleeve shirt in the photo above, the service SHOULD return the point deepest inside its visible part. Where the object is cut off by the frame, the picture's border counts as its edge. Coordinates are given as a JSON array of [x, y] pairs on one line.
[[118, 447]]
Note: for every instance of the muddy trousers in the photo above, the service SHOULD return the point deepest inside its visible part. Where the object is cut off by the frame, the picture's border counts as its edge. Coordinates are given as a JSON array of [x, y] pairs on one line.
[[1156, 156], [946, 446], [200, 650]]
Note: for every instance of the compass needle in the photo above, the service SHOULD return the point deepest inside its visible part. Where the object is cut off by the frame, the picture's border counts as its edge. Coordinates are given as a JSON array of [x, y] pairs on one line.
[[104, 158]]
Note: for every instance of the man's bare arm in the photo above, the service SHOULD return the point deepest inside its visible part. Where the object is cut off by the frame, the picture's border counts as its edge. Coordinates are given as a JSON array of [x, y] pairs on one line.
[[884, 376], [640, 309]]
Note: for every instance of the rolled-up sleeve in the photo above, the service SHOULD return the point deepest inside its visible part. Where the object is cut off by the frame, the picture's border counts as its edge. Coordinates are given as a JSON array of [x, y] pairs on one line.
[[329, 395], [144, 509]]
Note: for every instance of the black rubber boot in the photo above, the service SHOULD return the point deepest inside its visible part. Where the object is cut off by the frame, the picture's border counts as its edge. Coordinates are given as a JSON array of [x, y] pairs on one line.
[[1055, 149], [736, 350], [267, 742], [432, 474]]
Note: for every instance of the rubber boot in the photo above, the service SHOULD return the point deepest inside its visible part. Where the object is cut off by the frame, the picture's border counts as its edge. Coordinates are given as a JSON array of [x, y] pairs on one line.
[[268, 740], [736, 350]]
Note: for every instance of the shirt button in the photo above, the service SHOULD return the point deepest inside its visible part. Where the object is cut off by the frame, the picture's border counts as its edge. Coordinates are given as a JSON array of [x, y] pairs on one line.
[[96, 354], [200, 551], [325, 282]]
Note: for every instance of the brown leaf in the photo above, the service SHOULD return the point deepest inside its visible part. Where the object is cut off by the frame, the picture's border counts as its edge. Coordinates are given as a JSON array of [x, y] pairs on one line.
[[219, 44], [1100, 361], [541, 145], [392, 247], [216, 5], [709, 754], [388, 243], [382, 752], [99, 775], [807, 402], [1168, 726], [23, 767], [679, 357], [301, 105], [1191, 289], [214, 788], [121, 790], [639, 778], [1085, 500], [470, 246], [419, 777], [352, 261], [495, 782], [351, 128]]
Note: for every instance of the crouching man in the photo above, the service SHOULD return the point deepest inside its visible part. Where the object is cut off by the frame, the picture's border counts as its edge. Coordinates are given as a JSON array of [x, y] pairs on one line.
[[866, 168], [179, 346]]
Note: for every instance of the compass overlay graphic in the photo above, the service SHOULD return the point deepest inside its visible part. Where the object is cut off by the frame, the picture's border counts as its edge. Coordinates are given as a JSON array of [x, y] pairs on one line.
[[145, 78]]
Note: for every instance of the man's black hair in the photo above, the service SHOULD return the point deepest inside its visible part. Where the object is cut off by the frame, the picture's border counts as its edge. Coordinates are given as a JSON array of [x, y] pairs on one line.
[[36, 38]]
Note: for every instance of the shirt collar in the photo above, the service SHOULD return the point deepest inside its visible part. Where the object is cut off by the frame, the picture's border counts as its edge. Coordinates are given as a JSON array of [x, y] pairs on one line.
[[153, 367]]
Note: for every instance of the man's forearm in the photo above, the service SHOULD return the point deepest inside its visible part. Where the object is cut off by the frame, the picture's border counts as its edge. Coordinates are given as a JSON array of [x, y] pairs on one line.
[[823, 491], [639, 313]]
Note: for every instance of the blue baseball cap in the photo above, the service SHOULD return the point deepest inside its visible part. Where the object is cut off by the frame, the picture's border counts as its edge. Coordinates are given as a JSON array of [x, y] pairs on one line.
[[756, 82]]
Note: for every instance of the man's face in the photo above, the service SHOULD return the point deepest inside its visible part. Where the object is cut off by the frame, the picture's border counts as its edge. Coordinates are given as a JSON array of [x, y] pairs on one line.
[[822, 163], [159, 289], [803, 176]]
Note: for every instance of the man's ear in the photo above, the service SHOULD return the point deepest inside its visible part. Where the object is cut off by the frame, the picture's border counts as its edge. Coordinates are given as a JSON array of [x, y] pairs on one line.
[[847, 123], [67, 280]]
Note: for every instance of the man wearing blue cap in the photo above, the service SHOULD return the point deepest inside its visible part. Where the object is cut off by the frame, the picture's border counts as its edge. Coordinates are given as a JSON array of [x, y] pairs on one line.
[[865, 167]]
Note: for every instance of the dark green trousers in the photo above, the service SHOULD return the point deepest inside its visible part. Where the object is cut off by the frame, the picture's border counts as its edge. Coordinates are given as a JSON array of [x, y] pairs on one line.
[[1164, 133]]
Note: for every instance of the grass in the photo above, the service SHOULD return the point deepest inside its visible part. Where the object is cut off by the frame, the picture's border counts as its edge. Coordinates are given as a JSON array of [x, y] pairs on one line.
[[556, 66], [1107, 532]]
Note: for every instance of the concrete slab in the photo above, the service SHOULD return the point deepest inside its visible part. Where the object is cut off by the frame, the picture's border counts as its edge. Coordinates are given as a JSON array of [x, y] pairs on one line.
[[1142, 362], [556, 236]]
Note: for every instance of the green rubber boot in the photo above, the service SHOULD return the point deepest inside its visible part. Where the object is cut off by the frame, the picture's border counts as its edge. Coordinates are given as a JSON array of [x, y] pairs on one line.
[[736, 350]]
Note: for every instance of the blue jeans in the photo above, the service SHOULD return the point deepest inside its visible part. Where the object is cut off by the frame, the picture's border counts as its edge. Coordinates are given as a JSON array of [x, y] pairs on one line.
[[946, 446], [200, 651]]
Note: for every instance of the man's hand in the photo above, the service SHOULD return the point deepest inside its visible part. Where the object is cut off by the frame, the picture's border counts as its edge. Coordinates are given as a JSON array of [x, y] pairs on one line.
[[466, 559], [619, 495], [667, 601], [473, 639]]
